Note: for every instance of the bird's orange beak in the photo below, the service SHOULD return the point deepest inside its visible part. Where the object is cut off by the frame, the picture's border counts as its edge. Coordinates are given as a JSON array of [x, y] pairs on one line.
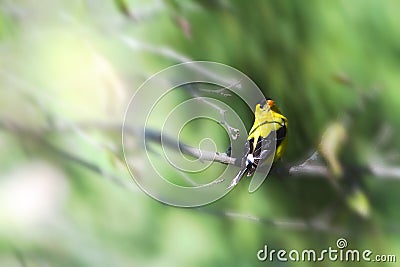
[[270, 103]]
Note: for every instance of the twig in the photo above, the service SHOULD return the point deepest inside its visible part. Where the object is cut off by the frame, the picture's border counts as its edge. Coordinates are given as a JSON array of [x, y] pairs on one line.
[[20, 257], [309, 169], [294, 224], [221, 91], [24, 132], [384, 171], [155, 136], [88, 165], [173, 55], [233, 132]]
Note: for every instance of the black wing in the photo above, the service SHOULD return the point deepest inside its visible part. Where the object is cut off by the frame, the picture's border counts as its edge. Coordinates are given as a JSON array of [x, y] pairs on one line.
[[244, 167], [281, 134], [261, 152]]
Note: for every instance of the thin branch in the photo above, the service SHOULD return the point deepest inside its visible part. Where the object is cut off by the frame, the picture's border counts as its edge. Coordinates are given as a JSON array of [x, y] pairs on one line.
[[309, 170], [20, 257], [233, 132], [294, 224], [310, 167], [384, 171], [155, 136], [88, 165], [221, 91], [173, 55], [139, 15], [22, 132], [302, 169]]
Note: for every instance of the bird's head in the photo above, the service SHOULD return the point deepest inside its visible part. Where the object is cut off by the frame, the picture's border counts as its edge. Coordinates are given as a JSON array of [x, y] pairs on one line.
[[266, 104]]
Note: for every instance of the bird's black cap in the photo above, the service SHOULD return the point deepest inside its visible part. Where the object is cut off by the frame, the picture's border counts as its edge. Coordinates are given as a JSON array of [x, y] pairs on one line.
[[264, 101]]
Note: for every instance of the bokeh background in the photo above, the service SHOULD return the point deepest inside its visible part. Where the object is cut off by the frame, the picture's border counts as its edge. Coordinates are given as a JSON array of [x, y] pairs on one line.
[[69, 68]]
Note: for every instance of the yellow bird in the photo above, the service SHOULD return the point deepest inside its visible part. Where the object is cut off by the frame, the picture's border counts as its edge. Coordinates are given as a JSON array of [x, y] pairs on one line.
[[270, 127]]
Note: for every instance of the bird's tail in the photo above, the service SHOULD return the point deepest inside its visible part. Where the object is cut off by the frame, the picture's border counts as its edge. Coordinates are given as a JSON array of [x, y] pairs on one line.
[[239, 176]]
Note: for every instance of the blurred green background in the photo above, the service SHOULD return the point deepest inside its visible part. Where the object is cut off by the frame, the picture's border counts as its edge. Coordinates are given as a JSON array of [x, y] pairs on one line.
[[69, 68]]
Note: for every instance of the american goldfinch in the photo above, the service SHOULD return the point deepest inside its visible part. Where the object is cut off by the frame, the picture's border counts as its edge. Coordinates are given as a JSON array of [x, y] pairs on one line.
[[270, 127]]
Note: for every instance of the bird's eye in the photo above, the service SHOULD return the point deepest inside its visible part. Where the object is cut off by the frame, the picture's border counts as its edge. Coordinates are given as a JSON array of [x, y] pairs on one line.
[[262, 103]]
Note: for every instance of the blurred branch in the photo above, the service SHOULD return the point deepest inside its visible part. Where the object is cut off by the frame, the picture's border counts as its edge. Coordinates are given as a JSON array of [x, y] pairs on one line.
[[310, 167], [39, 136], [384, 171], [20, 258], [175, 56], [294, 224], [88, 165], [138, 15]]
